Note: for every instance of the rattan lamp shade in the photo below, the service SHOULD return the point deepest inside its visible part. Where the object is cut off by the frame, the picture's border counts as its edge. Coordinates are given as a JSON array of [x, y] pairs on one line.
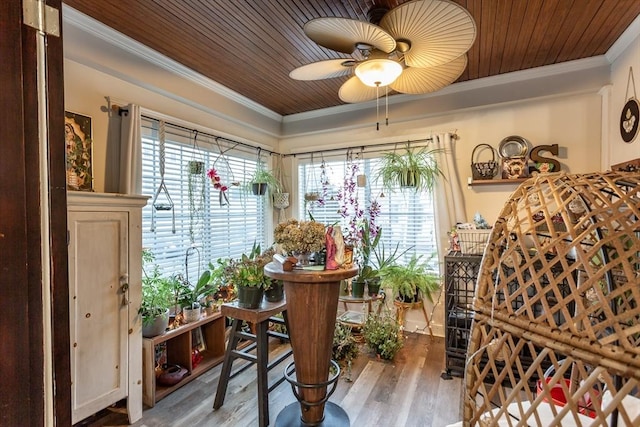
[[556, 335]]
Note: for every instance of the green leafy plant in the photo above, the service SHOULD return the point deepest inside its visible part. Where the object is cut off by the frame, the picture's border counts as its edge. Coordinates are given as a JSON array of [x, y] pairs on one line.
[[266, 177], [345, 346], [192, 296], [249, 269], [382, 335], [408, 280], [157, 291], [415, 168]]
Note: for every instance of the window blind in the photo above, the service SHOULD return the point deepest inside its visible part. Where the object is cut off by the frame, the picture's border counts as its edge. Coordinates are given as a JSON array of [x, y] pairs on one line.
[[211, 231], [407, 218]]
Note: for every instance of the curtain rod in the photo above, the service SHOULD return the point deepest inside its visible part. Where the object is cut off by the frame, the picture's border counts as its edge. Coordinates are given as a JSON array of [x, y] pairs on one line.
[[244, 144], [362, 148]]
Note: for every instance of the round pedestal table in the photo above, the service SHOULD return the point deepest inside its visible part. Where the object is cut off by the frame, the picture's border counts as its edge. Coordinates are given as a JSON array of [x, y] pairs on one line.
[[312, 305]]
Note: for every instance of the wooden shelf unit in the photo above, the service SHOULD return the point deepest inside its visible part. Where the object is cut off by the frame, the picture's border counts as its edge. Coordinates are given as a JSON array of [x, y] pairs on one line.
[[179, 345]]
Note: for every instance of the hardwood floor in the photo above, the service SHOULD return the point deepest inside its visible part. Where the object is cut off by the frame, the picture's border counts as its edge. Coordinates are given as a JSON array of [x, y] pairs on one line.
[[405, 392]]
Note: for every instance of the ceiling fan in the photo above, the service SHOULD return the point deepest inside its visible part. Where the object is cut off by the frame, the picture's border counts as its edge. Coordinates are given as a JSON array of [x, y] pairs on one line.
[[417, 47]]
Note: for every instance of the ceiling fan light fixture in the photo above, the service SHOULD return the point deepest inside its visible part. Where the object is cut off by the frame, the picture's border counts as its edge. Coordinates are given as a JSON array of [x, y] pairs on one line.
[[378, 72]]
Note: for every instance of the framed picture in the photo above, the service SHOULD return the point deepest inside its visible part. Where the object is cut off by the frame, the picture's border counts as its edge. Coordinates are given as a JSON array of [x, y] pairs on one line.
[[78, 143], [197, 340]]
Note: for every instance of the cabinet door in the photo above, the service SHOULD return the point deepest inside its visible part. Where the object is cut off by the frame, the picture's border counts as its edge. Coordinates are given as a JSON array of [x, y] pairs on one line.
[[99, 316]]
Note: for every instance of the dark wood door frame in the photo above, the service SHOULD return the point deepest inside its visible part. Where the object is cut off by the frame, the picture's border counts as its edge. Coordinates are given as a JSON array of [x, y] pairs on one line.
[[22, 236]]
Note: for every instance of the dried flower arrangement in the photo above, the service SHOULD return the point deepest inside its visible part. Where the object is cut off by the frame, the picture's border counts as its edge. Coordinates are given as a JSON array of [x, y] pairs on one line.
[[300, 236]]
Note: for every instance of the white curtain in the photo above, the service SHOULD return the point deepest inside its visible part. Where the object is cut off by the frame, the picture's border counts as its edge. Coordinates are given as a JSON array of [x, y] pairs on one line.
[[130, 151], [448, 192]]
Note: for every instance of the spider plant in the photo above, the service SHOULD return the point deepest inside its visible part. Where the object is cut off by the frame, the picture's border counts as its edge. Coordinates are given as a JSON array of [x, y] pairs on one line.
[[414, 168]]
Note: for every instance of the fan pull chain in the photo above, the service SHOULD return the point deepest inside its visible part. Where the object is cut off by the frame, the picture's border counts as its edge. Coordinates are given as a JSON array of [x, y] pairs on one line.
[[386, 104], [377, 107]]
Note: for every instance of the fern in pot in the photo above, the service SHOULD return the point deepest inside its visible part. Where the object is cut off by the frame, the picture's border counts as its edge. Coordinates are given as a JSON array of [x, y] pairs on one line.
[[416, 169], [412, 281]]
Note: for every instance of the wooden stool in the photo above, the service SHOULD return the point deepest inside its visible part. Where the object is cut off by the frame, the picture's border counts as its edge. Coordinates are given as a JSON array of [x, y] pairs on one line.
[[260, 319]]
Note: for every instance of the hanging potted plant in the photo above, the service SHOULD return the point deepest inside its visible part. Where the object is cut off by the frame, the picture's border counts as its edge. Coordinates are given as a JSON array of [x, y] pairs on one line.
[[416, 169], [263, 179], [281, 197]]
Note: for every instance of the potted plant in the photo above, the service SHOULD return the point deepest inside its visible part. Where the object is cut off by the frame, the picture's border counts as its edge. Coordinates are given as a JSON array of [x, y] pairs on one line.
[[263, 180], [415, 168], [409, 282], [345, 346], [300, 238], [191, 297], [157, 298], [382, 335], [247, 276]]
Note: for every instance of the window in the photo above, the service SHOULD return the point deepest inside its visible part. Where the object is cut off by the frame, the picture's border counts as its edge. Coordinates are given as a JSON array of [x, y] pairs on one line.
[[201, 223], [407, 218]]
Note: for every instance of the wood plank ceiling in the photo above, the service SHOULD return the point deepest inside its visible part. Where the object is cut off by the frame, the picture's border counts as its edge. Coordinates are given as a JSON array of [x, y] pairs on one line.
[[251, 46]]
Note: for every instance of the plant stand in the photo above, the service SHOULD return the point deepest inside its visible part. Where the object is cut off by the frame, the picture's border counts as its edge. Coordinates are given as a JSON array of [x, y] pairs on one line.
[[312, 305], [401, 307]]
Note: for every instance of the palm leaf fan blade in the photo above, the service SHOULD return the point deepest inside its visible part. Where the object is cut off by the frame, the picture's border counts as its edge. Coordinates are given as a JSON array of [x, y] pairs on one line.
[[439, 31], [431, 79]]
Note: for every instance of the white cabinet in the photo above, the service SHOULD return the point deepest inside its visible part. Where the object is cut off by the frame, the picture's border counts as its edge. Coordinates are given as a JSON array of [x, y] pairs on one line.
[[105, 289]]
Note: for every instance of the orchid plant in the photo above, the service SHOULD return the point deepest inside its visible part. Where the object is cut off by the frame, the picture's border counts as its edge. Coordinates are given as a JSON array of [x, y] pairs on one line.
[[217, 183]]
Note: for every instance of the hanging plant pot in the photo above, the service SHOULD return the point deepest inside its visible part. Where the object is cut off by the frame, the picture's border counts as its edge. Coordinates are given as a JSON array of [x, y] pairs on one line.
[[281, 200], [361, 180], [196, 167], [311, 196], [259, 188], [408, 179]]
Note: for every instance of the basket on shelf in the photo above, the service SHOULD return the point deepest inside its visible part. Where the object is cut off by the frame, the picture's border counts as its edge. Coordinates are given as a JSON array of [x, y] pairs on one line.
[[473, 242], [484, 170]]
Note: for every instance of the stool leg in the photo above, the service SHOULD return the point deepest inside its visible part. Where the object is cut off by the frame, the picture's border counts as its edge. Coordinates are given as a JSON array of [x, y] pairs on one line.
[[223, 381], [262, 354]]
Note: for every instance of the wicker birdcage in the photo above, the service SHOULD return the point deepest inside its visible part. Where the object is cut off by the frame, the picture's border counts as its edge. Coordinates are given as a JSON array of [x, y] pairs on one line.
[[556, 335]]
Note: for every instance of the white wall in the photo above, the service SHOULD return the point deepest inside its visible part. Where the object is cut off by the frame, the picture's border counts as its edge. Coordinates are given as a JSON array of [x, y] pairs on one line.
[[615, 148]]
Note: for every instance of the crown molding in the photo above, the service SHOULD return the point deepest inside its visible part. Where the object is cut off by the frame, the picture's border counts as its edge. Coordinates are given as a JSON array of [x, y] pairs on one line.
[[624, 41], [107, 34], [548, 71]]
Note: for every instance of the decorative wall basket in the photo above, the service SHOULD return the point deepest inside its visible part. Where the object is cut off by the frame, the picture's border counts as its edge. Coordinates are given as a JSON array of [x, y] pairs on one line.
[[557, 306], [487, 169]]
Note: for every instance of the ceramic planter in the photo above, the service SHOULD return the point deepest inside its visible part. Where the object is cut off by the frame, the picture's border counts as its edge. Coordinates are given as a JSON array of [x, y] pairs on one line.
[[249, 296], [357, 288], [157, 327], [275, 293], [259, 188], [191, 314]]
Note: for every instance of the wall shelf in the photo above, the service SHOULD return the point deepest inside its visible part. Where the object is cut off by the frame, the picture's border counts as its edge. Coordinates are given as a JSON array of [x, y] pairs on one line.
[[475, 182]]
